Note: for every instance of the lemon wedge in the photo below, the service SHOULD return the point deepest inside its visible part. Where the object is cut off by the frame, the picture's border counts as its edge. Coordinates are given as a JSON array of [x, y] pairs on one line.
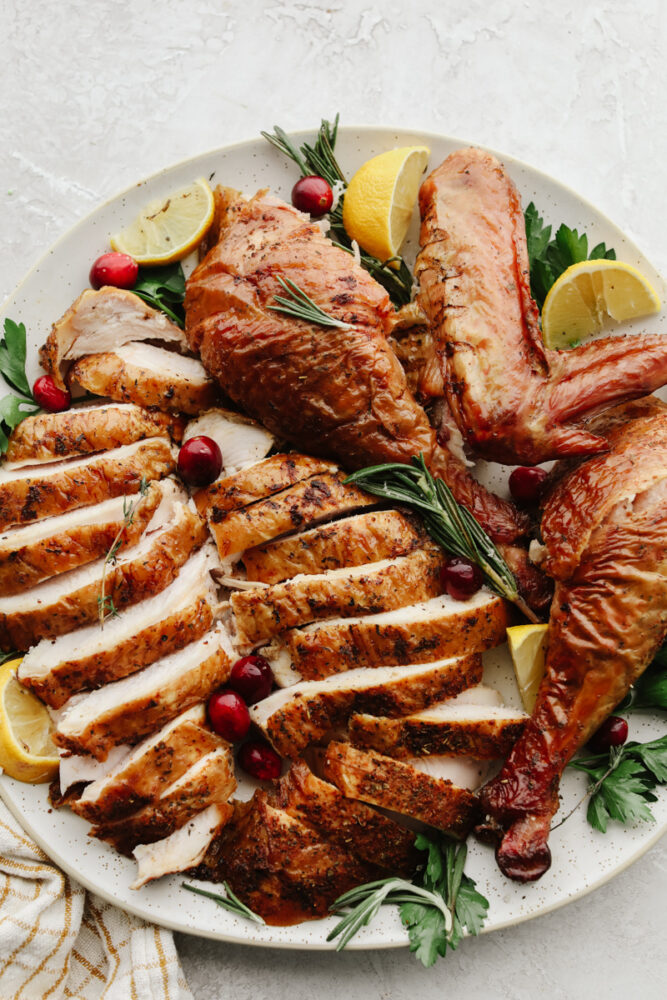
[[588, 294], [528, 645], [167, 229], [380, 199], [27, 752]]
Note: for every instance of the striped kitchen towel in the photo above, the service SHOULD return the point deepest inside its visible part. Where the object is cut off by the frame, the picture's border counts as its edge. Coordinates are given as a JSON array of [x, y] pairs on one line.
[[57, 940]]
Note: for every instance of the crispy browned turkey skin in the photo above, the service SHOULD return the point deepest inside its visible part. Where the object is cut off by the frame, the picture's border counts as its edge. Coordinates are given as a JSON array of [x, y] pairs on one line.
[[333, 392], [512, 400], [605, 530]]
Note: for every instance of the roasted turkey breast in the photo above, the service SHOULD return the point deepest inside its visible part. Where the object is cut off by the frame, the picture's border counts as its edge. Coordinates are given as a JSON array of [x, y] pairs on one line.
[[101, 321], [183, 849], [147, 375]]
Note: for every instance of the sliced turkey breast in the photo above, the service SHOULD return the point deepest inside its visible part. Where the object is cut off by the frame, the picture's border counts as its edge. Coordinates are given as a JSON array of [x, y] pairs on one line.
[[82, 430], [56, 545], [355, 826], [262, 480], [415, 633], [352, 541], [184, 848], [208, 780], [82, 769], [73, 599], [297, 716], [33, 492], [320, 498], [394, 785], [149, 768], [103, 320], [55, 669], [242, 441], [263, 612], [128, 710], [281, 868], [462, 771], [479, 731], [149, 376]]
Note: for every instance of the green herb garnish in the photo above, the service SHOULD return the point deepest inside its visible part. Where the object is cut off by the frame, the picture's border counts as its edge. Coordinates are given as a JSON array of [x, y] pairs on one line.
[[622, 782], [14, 409], [105, 603], [296, 303], [448, 523], [11, 655], [320, 159], [163, 288], [436, 910], [229, 902], [549, 258]]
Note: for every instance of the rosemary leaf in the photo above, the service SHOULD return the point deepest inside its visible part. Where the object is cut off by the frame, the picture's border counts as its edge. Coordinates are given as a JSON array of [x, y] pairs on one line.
[[229, 902], [299, 305]]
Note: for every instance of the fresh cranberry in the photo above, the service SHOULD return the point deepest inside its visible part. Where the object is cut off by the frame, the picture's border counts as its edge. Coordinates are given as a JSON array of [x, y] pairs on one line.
[[117, 269], [313, 195], [527, 483], [252, 677], [199, 461], [259, 760], [47, 395], [612, 733], [461, 578], [229, 715]]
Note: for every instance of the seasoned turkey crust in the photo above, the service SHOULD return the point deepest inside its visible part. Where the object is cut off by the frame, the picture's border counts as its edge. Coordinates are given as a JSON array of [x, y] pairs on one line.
[[394, 785], [46, 437], [45, 491], [50, 610], [149, 376]]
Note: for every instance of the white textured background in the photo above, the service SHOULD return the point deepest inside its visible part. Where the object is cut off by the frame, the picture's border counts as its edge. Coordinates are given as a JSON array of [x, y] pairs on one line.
[[96, 95]]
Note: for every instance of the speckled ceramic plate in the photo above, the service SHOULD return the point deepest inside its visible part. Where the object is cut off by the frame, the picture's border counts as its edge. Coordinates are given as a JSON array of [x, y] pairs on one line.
[[582, 858]]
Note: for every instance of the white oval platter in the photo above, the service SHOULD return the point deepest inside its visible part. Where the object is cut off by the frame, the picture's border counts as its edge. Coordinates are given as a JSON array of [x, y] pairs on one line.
[[582, 858]]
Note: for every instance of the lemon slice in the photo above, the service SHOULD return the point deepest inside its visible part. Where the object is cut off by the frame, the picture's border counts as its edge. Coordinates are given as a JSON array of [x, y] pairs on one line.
[[380, 199], [588, 294], [169, 228], [528, 645], [26, 750]]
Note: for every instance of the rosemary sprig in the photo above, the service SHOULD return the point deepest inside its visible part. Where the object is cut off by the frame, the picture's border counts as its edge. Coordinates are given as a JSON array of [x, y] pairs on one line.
[[320, 159], [105, 604], [436, 909], [448, 523], [296, 303], [229, 902]]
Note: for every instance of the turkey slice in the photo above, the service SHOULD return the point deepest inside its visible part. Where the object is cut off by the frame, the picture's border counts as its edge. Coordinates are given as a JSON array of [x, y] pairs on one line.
[[128, 710], [73, 599], [264, 612], [401, 788], [294, 717], [33, 492], [55, 669], [320, 498], [183, 849], [83, 769], [242, 441], [149, 376], [352, 541], [82, 430], [142, 775], [54, 545], [101, 320], [414, 633], [208, 780]]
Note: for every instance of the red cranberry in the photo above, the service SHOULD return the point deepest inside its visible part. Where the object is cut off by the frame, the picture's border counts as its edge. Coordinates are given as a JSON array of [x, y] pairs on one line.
[[612, 733], [47, 395], [259, 760], [461, 578], [117, 269], [229, 715], [313, 195], [526, 484], [252, 677], [199, 461]]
